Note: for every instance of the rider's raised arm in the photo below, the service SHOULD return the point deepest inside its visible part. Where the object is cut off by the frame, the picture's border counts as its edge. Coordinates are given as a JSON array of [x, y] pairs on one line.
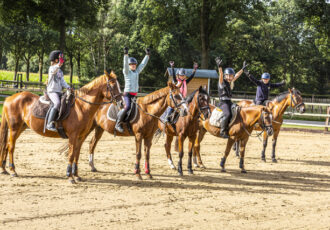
[[126, 66], [220, 75], [143, 64], [253, 79], [174, 76], [238, 74], [277, 85], [193, 73]]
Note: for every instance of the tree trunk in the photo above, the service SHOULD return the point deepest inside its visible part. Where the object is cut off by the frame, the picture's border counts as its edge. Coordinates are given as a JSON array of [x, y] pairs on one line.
[[78, 64], [1, 50], [205, 11], [16, 67], [41, 64], [71, 68], [28, 68], [62, 33]]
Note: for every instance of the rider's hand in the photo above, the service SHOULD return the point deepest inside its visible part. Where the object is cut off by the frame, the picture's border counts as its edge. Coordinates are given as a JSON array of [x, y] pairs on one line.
[[195, 65], [147, 51], [172, 64], [218, 60], [126, 50], [244, 65]]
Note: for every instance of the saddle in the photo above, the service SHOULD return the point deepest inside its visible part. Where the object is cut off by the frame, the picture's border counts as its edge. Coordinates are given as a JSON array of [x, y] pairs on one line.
[[217, 116], [131, 116], [41, 108]]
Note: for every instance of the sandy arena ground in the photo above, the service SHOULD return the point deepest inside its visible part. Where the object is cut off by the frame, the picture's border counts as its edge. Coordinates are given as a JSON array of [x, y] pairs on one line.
[[292, 194]]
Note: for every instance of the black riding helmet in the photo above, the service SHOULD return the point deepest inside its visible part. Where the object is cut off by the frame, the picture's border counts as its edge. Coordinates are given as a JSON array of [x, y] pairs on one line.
[[55, 55]]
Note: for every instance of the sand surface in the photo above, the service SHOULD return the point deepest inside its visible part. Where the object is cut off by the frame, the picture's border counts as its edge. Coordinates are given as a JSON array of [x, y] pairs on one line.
[[291, 194]]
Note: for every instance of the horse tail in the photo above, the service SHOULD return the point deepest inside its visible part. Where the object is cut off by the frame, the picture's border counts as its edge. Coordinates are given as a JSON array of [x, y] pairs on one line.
[[64, 150], [157, 135], [3, 133]]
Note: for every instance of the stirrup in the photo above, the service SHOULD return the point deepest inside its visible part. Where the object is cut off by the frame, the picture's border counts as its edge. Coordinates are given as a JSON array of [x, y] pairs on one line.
[[119, 128]]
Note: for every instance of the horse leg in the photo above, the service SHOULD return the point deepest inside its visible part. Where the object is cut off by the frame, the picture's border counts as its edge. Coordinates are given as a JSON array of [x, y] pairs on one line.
[[274, 146], [263, 155], [242, 153], [147, 146], [14, 132], [230, 143], [237, 150], [3, 160], [196, 153], [72, 146], [167, 145], [138, 143], [180, 145], [92, 144], [190, 150], [76, 154]]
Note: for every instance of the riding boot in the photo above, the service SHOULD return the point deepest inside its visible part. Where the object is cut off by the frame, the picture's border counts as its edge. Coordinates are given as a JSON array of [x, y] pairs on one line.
[[51, 118], [224, 128], [119, 122]]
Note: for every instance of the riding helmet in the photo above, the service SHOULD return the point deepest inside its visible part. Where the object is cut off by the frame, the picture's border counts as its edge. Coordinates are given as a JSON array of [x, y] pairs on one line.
[[181, 72], [265, 76], [132, 60], [54, 55], [229, 71]]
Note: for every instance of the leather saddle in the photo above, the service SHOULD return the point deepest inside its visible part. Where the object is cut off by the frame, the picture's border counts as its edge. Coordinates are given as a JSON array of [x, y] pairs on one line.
[[131, 116]]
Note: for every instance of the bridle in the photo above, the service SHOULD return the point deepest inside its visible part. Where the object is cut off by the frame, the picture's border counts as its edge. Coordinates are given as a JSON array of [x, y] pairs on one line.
[[202, 108], [177, 105], [294, 102], [109, 94]]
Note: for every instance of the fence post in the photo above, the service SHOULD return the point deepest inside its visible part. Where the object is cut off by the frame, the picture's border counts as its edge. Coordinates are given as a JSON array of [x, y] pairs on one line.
[[327, 119]]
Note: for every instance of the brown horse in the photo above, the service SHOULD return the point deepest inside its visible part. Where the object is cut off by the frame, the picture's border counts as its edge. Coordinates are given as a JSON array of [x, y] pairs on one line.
[[150, 108], [278, 105], [187, 127], [241, 130], [17, 116]]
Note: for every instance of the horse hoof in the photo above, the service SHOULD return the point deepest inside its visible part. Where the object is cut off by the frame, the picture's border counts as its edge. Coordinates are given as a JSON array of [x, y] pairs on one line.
[[72, 181], [243, 171], [190, 172], [223, 170], [149, 176], [202, 166], [77, 179], [138, 176], [4, 172], [14, 174], [274, 160], [263, 159], [180, 173], [196, 165], [173, 167], [94, 170]]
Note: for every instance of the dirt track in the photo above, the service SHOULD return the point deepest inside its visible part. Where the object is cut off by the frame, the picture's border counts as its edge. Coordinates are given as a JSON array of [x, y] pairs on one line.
[[292, 194]]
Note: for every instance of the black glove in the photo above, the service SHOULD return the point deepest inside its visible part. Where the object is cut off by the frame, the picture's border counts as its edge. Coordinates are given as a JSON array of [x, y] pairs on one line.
[[244, 65], [218, 60], [195, 65], [126, 50], [147, 51]]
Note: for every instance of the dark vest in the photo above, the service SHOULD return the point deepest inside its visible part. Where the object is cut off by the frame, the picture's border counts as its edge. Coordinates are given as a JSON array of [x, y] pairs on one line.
[[225, 91]]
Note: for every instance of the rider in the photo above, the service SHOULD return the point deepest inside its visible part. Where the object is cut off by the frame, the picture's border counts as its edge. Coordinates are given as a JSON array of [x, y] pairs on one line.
[[180, 77], [131, 75], [55, 85], [225, 86], [263, 86]]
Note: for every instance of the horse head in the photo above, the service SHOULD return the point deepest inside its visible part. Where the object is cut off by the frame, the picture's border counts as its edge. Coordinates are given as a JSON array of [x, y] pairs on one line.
[[265, 120], [176, 100], [296, 100], [112, 90], [203, 101]]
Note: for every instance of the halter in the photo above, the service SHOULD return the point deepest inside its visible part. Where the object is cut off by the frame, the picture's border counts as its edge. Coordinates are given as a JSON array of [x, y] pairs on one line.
[[202, 108], [109, 94]]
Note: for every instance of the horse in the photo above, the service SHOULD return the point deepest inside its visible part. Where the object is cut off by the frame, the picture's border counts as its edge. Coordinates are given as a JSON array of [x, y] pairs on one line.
[[186, 127], [17, 116], [240, 130], [292, 98], [143, 127]]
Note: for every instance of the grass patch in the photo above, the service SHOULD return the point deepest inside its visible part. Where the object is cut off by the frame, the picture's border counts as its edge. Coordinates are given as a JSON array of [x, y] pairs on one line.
[[34, 77]]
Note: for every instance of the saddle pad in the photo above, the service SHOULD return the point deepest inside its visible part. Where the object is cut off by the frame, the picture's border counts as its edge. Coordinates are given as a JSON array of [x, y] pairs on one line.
[[113, 110], [215, 119], [40, 109]]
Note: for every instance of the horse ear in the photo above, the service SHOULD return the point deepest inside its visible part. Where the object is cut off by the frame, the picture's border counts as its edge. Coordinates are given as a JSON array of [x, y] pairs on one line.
[[106, 74], [200, 88]]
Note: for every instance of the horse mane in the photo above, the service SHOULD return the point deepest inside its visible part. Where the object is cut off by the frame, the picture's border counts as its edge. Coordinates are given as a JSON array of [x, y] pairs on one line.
[[150, 98], [91, 85], [281, 96]]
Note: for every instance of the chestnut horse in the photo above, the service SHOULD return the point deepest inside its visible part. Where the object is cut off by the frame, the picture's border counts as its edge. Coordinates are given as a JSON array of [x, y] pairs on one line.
[[278, 105], [17, 116], [150, 108], [241, 130], [187, 127]]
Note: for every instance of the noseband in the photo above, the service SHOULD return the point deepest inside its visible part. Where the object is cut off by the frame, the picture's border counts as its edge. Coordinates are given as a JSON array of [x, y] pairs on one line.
[[295, 103]]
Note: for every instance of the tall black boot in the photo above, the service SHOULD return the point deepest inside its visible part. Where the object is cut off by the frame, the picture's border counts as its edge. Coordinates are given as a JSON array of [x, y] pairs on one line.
[[50, 122], [224, 128], [120, 119]]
